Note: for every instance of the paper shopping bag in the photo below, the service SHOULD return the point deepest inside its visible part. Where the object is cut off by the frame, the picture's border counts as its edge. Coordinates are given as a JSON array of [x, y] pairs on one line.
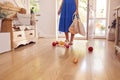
[[77, 26], [81, 29], [74, 26]]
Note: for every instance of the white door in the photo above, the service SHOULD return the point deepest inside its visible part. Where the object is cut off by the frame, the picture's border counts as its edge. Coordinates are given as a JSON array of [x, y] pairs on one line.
[[97, 16]]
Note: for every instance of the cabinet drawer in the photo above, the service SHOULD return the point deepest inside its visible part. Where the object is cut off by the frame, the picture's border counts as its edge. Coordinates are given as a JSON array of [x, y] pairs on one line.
[[30, 34], [18, 35], [5, 44]]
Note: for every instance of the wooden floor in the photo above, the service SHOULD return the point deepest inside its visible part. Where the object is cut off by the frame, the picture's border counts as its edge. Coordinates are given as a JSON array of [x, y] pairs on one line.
[[41, 61]]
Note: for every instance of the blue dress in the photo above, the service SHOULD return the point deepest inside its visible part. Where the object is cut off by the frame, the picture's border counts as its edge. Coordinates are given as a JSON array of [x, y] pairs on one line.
[[67, 11]]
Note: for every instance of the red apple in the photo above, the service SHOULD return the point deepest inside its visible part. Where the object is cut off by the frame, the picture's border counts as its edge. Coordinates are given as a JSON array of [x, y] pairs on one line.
[[90, 49], [53, 43], [57, 42], [67, 46]]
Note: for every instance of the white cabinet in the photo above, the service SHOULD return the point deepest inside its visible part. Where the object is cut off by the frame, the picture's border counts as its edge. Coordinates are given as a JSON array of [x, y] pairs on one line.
[[0, 24], [5, 43], [20, 35], [117, 34]]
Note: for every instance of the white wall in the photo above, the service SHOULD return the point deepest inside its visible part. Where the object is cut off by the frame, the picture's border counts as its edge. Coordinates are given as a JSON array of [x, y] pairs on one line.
[[2, 0], [47, 20], [12, 1], [20, 3], [113, 4], [23, 4]]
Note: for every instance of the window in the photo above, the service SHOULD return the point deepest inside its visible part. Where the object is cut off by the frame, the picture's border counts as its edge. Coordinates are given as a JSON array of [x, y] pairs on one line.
[[35, 4]]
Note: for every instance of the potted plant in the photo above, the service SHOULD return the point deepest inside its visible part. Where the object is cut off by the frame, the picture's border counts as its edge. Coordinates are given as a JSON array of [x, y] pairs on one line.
[[2, 14]]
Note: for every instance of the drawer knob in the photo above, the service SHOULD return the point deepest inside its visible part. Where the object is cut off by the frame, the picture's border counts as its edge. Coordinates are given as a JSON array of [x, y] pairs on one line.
[[31, 33], [19, 35]]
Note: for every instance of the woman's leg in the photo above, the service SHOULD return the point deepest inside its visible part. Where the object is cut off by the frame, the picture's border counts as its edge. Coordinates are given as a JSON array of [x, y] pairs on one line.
[[71, 39], [66, 36]]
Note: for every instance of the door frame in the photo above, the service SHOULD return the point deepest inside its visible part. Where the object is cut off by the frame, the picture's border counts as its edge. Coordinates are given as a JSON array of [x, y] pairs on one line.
[[106, 20]]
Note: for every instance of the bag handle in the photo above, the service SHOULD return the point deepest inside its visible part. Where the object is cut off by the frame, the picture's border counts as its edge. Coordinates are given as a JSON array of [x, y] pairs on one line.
[[75, 16]]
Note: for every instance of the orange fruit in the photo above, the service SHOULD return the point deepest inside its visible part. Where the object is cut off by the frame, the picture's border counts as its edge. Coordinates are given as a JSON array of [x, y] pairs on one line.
[[75, 60]]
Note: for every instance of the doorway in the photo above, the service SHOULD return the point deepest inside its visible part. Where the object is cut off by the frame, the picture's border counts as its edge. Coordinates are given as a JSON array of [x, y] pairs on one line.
[[83, 17], [93, 16], [98, 15]]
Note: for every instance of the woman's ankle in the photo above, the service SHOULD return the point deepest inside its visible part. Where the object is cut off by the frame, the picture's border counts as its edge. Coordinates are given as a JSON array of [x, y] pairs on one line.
[[66, 40], [71, 43]]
